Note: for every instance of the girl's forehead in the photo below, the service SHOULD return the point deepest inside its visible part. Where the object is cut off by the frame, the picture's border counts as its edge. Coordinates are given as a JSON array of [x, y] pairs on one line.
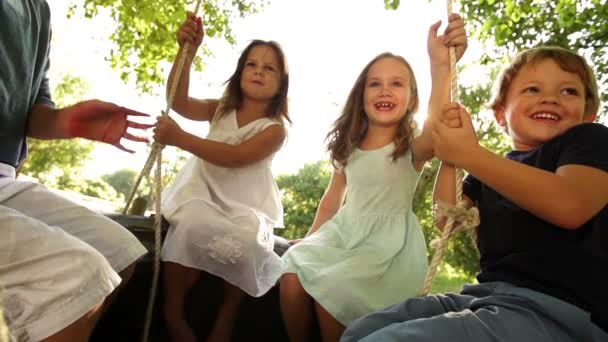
[[388, 67], [263, 53]]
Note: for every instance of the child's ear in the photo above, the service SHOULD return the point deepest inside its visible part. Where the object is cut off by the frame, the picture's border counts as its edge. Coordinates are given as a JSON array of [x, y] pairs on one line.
[[499, 115], [589, 117]]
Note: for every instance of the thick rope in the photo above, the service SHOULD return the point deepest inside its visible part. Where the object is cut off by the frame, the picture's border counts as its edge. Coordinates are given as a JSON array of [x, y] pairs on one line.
[[450, 228], [156, 154]]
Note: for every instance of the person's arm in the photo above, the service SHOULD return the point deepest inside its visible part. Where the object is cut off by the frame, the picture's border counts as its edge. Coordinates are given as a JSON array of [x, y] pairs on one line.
[[191, 32], [567, 198], [331, 201], [94, 120], [256, 148], [439, 55]]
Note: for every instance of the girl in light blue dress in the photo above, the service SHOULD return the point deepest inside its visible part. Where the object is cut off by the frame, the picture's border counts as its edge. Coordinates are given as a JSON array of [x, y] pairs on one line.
[[365, 249]]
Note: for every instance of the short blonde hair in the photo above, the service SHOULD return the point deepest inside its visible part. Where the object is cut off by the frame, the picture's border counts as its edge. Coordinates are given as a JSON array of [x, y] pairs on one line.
[[567, 60]]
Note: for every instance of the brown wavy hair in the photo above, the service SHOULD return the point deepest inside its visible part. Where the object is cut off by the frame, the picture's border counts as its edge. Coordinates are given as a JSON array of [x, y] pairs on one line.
[[232, 99], [350, 128], [567, 60]]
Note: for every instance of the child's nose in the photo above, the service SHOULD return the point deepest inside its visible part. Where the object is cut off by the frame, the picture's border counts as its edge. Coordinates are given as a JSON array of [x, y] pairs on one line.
[[549, 98]]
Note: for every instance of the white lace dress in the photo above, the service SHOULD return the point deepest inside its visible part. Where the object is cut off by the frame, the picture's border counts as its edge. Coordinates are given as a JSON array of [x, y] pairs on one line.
[[222, 219]]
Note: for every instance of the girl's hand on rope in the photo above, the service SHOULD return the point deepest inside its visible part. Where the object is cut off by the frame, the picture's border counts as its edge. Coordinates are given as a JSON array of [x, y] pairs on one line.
[[102, 121], [191, 32], [454, 144], [167, 131], [455, 35]]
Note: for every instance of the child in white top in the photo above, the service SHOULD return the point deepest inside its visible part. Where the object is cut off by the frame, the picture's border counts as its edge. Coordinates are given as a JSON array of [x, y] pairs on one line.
[[224, 204]]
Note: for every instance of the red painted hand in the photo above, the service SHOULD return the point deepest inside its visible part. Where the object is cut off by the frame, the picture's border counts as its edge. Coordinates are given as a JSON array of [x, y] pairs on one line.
[[103, 121]]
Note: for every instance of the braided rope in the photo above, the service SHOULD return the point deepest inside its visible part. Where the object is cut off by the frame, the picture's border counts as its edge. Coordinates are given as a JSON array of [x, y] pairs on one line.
[[156, 155], [450, 228]]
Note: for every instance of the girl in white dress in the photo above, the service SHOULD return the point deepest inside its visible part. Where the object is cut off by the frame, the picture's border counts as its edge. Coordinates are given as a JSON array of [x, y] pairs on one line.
[[224, 204]]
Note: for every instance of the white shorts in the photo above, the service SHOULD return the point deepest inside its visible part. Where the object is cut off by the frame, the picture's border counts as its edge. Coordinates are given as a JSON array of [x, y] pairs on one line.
[[57, 259]]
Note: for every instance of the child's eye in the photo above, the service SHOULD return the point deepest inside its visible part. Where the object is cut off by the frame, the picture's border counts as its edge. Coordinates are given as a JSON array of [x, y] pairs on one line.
[[270, 68], [373, 84], [250, 64], [570, 91], [531, 89], [397, 84]]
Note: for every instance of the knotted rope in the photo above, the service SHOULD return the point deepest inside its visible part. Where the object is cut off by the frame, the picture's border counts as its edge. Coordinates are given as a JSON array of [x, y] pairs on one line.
[[156, 155], [455, 214]]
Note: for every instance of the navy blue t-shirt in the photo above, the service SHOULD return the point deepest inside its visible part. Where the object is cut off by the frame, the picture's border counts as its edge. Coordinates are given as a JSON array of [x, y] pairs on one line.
[[522, 249], [25, 37]]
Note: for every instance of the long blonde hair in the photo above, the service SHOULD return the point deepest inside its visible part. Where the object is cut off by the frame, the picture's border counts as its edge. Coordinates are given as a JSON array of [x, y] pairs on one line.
[[233, 94], [350, 128]]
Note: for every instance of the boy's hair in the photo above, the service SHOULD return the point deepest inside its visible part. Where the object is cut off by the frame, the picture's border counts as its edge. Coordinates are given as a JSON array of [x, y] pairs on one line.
[[350, 128], [567, 60], [233, 94]]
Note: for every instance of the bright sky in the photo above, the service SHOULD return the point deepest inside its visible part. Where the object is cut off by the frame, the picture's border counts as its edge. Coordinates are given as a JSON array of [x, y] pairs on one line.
[[327, 43]]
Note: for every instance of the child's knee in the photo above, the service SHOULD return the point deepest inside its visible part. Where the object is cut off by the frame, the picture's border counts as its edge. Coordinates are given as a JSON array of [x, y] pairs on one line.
[[127, 273], [290, 283]]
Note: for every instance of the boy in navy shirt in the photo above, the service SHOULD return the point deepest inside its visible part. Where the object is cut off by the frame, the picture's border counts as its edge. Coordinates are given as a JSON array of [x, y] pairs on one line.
[[543, 236]]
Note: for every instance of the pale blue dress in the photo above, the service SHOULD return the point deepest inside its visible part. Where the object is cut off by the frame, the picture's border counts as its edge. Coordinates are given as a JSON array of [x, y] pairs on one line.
[[372, 253]]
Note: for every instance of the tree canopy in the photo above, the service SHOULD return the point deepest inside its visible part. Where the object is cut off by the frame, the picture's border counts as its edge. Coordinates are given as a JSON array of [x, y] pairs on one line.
[[515, 24], [145, 31], [301, 194], [507, 26]]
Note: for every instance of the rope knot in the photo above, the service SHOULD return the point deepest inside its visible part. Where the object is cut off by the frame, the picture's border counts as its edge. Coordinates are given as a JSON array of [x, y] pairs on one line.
[[463, 218]]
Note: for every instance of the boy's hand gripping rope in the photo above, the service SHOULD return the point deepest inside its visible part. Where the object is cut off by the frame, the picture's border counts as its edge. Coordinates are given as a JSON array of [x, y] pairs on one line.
[[156, 155], [458, 213]]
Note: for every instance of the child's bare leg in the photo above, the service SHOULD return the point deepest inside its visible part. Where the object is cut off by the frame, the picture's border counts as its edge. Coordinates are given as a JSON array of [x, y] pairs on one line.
[[224, 322], [81, 329], [331, 329], [296, 308], [178, 280], [125, 275]]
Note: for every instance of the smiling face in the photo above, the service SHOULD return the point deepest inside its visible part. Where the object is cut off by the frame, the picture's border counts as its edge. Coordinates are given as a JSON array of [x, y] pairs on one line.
[[261, 74], [387, 92], [542, 102]]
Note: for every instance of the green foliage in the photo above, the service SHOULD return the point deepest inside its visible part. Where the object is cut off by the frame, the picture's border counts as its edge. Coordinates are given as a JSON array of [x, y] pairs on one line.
[[450, 280], [122, 181], [301, 195], [508, 26], [391, 4], [145, 32], [90, 187], [512, 25], [70, 90], [48, 157]]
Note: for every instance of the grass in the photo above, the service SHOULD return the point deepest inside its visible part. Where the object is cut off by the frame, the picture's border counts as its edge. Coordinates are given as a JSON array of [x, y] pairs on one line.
[[450, 280]]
